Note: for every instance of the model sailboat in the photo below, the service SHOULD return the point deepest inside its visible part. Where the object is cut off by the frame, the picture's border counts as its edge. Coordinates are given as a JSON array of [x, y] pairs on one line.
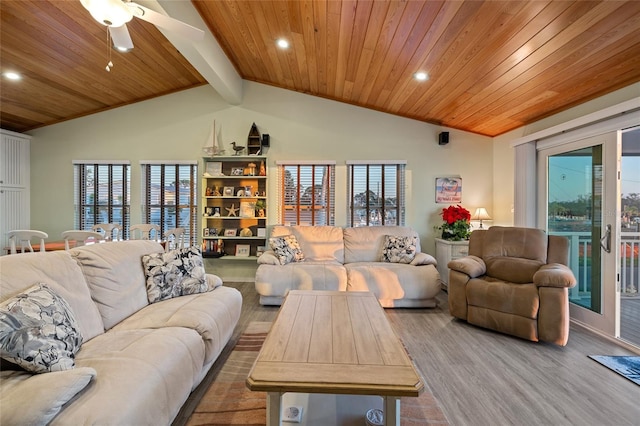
[[212, 146]]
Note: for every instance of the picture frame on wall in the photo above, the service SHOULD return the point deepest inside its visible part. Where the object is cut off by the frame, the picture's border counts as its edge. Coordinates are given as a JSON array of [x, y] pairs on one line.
[[449, 190], [242, 250]]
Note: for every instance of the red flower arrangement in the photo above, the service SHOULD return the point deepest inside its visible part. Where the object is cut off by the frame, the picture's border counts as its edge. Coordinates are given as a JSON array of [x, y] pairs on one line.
[[457, 224]]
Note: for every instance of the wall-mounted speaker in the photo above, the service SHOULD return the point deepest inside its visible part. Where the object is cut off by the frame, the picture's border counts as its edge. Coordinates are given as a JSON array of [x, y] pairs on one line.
[[443, 138], [265, 140]]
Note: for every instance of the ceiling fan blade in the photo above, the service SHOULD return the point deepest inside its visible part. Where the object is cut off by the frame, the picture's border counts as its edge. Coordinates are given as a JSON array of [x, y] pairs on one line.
[[166, 22], [121, 38]]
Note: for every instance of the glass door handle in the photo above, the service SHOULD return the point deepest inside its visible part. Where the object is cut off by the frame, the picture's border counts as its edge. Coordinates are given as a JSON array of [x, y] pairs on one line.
[[605, 241]]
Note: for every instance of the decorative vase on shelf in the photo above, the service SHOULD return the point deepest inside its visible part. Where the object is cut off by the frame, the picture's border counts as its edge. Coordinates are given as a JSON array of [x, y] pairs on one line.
[[457, 223]]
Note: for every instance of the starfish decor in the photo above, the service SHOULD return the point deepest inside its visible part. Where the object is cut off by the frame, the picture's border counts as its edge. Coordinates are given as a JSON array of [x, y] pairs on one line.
[[232, 210]]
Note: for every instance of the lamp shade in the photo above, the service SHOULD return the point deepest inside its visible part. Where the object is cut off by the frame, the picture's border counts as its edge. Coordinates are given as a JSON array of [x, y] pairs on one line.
[[112, 13], [480, 214]]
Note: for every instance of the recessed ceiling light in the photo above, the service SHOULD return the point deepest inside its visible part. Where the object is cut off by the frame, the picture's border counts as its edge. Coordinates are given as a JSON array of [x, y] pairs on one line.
[[421, 76], [282, 43], [12, 75]]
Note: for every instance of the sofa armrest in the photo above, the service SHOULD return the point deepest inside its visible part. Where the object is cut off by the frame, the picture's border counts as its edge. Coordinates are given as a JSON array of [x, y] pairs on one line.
[[472, 266], [268, 258], [213, 281], [424, 259], [554, 275]]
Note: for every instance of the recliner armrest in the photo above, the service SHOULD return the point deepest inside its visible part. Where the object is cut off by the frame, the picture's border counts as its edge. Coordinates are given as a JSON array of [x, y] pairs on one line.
[[424, 259], [473, 266], [554, 275]]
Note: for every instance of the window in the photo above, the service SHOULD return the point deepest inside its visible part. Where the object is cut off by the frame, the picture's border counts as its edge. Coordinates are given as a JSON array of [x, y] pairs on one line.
[[101, 193], [169, 197], [306, 193], [376, 193]]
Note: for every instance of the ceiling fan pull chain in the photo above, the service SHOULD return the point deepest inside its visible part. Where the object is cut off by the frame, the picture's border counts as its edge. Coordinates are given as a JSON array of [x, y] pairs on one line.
[[109, 64]]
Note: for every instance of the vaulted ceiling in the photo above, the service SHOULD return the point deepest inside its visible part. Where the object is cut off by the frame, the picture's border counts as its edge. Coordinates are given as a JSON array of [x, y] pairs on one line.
[[493, 65]]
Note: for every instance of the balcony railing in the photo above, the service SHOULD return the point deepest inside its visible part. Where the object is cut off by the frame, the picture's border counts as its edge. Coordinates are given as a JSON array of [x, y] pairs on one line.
[[580, 262]]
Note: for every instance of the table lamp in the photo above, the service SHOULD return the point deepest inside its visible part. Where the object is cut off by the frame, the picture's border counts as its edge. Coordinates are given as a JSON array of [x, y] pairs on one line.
[[481, 214]]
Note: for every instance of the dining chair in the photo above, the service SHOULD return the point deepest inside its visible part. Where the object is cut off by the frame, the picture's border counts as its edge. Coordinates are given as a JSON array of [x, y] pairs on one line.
[[143, 231], [107, 230], [80, 237], [174, 239], [23, 237]]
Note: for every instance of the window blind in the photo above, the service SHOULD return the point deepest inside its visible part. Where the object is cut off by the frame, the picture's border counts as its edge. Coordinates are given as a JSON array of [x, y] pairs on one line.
[[376, 194], [306, 194], [101, 194], [169, 197]]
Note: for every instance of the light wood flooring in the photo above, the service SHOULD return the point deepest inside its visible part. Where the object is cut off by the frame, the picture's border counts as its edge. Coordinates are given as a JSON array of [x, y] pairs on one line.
[[482, 377]]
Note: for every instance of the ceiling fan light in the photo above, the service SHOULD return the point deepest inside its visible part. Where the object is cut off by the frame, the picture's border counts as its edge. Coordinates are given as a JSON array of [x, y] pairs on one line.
[[112, 13]]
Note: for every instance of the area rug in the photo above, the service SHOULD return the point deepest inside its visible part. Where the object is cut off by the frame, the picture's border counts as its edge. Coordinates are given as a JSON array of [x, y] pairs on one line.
[[626, 366], [229, 402]]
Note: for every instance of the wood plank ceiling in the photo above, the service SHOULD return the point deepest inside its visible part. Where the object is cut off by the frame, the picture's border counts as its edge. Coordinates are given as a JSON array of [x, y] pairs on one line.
[[493, 65]]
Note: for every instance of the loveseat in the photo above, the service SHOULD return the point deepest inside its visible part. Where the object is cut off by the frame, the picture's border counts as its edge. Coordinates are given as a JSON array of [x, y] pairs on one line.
[[119, 359], [516, 281], [385, 260]]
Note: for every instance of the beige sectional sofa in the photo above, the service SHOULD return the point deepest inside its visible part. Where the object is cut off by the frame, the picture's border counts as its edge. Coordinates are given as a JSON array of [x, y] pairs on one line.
[[138, 362], [349, 259]]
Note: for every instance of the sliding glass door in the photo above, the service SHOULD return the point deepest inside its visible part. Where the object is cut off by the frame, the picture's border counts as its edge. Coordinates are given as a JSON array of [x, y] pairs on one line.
[[582, 202]]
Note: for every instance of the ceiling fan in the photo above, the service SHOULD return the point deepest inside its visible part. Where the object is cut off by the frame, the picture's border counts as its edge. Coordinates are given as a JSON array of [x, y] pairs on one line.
[[116, 13]]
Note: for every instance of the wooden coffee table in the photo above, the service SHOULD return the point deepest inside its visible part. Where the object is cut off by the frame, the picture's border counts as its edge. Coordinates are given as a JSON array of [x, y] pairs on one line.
[[337, 343]]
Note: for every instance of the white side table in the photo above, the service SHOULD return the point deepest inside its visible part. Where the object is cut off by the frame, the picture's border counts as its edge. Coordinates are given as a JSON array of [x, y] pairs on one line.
[[448, 250]]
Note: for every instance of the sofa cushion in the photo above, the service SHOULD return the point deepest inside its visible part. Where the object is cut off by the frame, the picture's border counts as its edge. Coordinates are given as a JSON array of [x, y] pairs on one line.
[[364, 243], [399, 249], [38, 331], [393, 281], [277, 280], [318, 243], [174, 273], [212, 315], [116, 277], [143, 377], [517, 299], [62, 274], [286, 249], [29, 399], [518, 260]]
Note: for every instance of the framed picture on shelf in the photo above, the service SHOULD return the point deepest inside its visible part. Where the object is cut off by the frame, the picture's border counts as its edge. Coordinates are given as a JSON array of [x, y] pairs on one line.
[[237, 171], [228, 191], [230, 232], [205, 232], [247, 209], [213, 168], [242, 250], [262, 232], [208, 211], [213, 232]]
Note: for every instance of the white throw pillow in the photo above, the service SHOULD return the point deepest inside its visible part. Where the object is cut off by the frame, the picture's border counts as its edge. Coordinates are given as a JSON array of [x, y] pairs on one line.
[[175, 273], [399, 249], [286, 249], [38, 331]]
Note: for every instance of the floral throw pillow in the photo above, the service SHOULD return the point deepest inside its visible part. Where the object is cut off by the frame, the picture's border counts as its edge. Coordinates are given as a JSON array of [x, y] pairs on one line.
[[175, 273], [396, 249], [286, 248], [38, 331]]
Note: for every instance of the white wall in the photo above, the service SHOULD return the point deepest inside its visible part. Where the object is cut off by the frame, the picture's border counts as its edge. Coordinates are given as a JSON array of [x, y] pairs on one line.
[[503, 153], [301, 127]]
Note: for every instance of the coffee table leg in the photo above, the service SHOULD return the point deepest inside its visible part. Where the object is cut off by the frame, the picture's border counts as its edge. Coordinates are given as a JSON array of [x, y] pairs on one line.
[[391, 411], [273, 408]]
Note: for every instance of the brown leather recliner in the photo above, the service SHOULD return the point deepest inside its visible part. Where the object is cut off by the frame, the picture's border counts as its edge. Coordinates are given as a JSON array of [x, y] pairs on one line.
[[516, 281]]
